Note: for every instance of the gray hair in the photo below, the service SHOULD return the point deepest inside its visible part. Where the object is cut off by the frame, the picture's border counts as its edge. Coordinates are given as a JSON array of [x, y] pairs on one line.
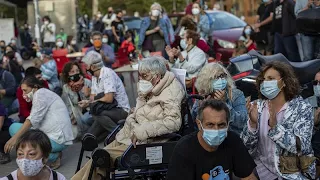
[[156, 5], [153, 65], [217, 105], [93, 58]]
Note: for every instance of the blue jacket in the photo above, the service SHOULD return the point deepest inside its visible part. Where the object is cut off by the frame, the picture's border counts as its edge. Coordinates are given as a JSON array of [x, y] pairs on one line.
[[298, 121], [50, 73], [205, 26], [238, 111], [145, 23]]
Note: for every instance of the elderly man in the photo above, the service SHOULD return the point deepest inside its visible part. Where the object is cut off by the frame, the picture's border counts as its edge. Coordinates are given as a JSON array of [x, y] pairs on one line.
[[212, 152], [157, 111], [105, 50], [106, 88]]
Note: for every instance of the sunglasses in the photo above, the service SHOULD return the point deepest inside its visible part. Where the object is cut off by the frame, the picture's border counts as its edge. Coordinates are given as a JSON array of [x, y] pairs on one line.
[[315, 82], [223, 75]]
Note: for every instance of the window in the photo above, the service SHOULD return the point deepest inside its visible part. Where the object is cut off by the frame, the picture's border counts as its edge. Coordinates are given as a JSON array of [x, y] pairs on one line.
[[223, 20]]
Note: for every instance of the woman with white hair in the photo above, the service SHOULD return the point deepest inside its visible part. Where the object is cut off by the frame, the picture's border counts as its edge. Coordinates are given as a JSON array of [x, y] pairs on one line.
[[157, 112], [154, 34], [214, 81]]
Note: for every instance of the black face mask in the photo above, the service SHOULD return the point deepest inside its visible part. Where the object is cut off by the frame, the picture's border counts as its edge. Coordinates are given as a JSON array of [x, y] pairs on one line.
[[75, 77], [110, 12], [119, 17], [10, 54]]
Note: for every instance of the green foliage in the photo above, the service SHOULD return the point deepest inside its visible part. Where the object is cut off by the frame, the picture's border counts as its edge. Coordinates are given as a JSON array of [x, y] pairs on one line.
[[142, 6]]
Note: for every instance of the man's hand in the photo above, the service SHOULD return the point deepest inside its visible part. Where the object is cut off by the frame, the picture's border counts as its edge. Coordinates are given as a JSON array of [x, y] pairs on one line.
[[118, 39], [156, 29], [10, 144], [170, 52], [134, 140]]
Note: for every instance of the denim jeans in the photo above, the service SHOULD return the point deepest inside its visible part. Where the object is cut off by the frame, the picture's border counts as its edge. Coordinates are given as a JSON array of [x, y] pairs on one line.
[[308, 46], [56, 148], [87, 119], [299, 43], [287, 45]]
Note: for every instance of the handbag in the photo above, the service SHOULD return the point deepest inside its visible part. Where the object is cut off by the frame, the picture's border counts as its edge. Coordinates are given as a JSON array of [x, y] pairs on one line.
[[296, 162], [97, 107]]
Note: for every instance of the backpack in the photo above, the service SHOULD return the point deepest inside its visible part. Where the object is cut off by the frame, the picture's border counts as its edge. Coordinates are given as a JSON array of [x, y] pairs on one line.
[[54, 174]]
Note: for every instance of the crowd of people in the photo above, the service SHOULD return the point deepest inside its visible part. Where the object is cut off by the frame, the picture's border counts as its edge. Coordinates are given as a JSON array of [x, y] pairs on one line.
[[274, 137]]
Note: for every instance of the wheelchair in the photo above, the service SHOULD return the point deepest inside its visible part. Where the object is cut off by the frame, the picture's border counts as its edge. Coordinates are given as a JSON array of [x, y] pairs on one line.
[[146, 161]]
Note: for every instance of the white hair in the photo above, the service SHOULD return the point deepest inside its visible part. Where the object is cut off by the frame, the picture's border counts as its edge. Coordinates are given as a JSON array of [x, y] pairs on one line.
[[156, 5], [92, 57], [153, 65]]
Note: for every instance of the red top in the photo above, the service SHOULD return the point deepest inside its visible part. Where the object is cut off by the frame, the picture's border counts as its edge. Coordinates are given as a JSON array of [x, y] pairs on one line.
[[252, 47], [129, 45], [24, 106], [189, 9], [202, 44]]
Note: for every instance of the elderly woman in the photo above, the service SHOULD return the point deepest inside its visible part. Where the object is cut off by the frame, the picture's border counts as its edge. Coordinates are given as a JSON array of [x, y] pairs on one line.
[[154, 35], [191, 58], [157, 111], [48, 114], [76, 89], [280, 126], [215, 82]]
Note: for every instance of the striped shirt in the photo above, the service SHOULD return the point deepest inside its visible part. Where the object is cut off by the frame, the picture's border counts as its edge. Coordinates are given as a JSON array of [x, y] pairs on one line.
[[266, 147]]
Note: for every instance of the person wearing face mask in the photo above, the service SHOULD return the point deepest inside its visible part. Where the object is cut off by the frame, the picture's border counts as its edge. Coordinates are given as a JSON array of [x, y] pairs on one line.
[[107, 20], [62, 35], [24, 106], [8, 87], [76, 89], [48, 114], [72, 45], [106, 88], [17, 57], [106, 39], [103, 49], [33, 149], [250, 38], [59, 44], [280, 126], [2, 48], [157, 111], [154, 34], [203, 20], [215, 82], [213, 152], [118, 29], [191, 58], [48, 29], [188, 10]]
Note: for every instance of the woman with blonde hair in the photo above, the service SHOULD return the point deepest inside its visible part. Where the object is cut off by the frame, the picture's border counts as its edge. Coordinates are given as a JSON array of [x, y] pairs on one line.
[[214, 81]]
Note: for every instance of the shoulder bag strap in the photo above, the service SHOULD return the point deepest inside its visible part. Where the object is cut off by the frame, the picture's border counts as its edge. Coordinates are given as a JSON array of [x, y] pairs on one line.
[[55, 175], [10, 177]]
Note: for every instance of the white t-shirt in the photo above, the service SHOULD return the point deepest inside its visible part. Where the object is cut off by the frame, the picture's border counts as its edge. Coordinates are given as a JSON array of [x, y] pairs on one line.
[[109, 82], [15, 176], [47, 35]]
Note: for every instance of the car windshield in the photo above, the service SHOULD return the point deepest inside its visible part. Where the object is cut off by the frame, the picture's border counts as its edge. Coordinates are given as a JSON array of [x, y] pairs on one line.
[[223, 21], [133, 23]]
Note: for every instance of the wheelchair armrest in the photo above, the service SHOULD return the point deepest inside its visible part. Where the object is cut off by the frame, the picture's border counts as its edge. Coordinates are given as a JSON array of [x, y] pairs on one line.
[[112, 135], [121, 122]]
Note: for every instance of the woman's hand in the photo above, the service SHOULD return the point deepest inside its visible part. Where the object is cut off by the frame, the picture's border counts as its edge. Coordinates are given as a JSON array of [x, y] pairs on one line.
[[220, 95], [83, 103], [132, 110], [10, 144], [134, 140], [253, 113], [170, 53], [156, 29]]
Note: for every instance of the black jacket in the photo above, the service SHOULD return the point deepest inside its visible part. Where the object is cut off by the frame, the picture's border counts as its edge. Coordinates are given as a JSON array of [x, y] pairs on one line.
[[289, 27]]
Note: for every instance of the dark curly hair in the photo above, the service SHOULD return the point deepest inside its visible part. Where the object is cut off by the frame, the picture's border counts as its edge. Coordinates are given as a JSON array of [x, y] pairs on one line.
[[292, 85], [188, 23], [67, 68], [194, 36]]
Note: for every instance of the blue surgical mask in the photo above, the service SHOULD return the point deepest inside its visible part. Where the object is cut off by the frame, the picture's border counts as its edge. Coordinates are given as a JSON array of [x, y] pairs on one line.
[[265, 1], [39, 54], [247, 31], [270, 89], [316, 90], [219, 84], [214, 137], [183, 44]]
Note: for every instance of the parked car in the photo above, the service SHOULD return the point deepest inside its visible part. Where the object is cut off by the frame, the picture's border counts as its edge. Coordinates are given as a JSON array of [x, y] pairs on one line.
[[245, 69], [227, 30]]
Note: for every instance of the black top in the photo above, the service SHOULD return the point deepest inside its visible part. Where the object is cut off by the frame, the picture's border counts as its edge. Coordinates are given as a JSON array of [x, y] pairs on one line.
[[264, 13], [277, 16], [191, 162], [119, 27], [154, 24]]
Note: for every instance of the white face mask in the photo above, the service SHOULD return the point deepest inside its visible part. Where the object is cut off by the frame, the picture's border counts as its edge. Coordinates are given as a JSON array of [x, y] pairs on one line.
[[46, 22], [59, 44], [145, 86], [195, 11], [91, 41], [73, 42], [105, 40], [13, 41], [30, 167], [183, 44], [28, 97], [155, 13], [39, 54]]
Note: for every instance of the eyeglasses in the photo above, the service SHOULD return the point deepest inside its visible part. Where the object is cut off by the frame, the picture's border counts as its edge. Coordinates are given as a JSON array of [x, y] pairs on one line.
[[223, 75], [315, 82]]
